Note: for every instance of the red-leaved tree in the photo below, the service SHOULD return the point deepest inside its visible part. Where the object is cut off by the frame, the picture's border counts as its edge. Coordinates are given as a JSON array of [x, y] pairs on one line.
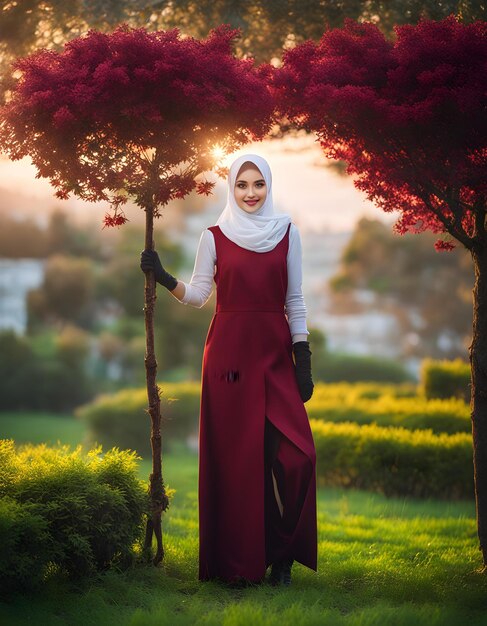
[[409, 117], [136, 114]]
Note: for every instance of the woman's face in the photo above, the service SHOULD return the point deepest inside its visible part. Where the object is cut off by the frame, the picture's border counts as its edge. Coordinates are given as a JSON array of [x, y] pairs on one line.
[[250, 188]]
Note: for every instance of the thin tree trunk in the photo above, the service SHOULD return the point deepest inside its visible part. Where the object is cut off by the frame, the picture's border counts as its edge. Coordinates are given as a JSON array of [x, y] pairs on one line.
[[158, 498], [478, 402]]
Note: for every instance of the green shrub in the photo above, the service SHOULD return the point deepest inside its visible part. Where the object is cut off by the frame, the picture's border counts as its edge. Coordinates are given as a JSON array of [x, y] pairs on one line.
[[76, 515], [121, 419], [334, 366], [26, 546], [46, 381], [394, 461], [444, 379]]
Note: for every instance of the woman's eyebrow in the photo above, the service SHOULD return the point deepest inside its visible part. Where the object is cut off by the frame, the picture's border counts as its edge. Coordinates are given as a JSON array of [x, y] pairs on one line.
[[261, 180]]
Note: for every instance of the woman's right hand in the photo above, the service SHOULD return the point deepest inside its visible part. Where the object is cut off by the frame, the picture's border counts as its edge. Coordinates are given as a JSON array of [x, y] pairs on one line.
[[150, 261]]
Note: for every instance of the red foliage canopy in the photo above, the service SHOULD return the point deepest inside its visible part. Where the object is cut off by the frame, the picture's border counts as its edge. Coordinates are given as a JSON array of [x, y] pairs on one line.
[[408, 116], [134, 113]]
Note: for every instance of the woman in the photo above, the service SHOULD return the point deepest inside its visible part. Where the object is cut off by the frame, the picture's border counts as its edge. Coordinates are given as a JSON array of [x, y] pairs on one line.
[[257, 460]]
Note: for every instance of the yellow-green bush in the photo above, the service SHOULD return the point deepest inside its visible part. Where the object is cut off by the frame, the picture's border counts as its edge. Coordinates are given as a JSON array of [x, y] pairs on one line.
[[64, 512], [352, 392], [441, 416], [444, 379], [121, 419], [394, 461]]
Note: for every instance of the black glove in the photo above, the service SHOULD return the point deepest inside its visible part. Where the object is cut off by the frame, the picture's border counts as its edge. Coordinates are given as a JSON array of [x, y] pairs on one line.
[[302, 356], [149, 260]]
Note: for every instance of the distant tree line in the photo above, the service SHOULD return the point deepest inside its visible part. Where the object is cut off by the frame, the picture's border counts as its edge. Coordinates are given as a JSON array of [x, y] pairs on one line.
[[430, 292], [26, 238]]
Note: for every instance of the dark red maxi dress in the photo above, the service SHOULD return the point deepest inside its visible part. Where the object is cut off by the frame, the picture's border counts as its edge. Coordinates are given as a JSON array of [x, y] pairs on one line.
[[247, 376]]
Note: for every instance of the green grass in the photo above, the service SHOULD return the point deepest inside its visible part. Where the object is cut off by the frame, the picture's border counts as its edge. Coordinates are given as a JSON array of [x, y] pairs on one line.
[[41, 428], [381, 561]]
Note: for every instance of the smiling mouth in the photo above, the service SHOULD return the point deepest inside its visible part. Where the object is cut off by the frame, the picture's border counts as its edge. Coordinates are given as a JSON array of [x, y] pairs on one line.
[[251, 201]]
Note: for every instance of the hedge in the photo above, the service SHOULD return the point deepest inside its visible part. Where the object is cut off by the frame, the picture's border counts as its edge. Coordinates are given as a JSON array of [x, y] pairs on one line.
[[394, 461], [337, 366], [445, 379], [121, 419], [441, 416]]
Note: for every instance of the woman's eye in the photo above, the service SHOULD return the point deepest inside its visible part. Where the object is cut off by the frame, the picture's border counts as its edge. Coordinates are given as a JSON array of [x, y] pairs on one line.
[[242, 185]]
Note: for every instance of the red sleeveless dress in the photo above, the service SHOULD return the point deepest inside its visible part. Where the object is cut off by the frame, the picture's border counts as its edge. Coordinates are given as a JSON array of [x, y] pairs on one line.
[[247, 375]]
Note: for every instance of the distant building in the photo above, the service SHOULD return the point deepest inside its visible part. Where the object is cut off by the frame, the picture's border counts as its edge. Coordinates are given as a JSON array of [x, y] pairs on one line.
[[17, 277]]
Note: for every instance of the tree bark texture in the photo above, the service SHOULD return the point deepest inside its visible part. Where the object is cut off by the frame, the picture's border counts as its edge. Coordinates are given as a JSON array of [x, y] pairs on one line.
[[478, 401], [158, 498]]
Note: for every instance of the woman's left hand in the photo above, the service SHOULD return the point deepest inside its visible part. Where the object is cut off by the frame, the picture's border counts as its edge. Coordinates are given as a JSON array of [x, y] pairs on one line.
[[302, 356]]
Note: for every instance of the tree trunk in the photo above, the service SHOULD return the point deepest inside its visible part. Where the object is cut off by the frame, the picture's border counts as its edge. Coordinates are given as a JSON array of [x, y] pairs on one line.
[[478, 401], [158, 498]]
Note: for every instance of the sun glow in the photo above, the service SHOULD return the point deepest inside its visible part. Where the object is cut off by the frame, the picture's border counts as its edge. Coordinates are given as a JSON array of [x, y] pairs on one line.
[[218, 152]]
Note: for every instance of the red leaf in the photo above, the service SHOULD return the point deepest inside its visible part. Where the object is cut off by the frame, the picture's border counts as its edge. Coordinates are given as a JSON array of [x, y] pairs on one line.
[[441, 245], [115, 220], [205, 187]]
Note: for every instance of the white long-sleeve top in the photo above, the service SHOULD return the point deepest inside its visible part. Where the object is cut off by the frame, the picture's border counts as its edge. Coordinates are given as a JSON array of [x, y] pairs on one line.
[[199, 289]]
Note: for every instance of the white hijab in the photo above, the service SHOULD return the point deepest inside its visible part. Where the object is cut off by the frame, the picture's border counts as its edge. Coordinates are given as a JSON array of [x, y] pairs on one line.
[[262, 230]]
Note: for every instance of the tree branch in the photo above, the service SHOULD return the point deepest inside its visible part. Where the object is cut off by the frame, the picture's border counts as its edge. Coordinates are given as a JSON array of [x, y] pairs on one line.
[[460, 235]]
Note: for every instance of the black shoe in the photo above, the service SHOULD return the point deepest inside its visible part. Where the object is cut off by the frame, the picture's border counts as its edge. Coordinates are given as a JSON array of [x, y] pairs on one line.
[[275, 575], [286, 572]]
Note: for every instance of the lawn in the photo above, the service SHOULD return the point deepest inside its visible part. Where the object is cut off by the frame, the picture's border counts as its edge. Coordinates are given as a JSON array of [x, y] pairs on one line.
[[381, 561]]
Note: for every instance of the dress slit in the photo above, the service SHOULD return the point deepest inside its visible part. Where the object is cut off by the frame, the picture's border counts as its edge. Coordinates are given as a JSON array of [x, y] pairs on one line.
[[293, 472]]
